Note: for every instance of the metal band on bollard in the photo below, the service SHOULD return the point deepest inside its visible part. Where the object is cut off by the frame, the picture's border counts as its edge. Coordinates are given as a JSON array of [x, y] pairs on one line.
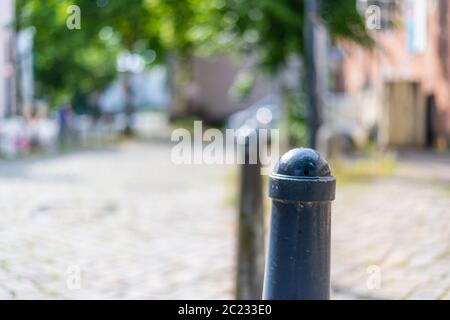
[[298, 259]]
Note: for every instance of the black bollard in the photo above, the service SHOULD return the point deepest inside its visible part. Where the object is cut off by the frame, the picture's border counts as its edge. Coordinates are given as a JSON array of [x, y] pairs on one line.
[[298, 260]]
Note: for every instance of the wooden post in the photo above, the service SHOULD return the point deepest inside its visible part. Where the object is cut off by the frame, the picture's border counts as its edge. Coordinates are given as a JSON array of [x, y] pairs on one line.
[[250, 263]]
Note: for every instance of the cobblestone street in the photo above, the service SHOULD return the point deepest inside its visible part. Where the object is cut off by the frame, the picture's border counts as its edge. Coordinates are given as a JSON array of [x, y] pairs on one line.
[[391, 236], [134, 225], [118, 216]]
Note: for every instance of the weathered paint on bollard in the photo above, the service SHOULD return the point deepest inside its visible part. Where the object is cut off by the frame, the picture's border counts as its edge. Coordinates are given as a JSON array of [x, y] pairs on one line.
[[298, 259]]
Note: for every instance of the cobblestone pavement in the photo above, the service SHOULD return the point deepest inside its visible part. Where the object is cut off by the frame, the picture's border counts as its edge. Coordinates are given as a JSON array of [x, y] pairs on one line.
[[126, 219], [391, 237], [135, 226]]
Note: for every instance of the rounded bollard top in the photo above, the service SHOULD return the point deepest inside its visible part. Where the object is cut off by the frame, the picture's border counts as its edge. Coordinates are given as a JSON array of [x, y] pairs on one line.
[[302, 175], [302, 162]]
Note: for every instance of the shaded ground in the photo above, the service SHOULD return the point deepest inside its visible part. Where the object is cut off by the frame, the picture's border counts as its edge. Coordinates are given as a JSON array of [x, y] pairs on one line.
[[136, 226]]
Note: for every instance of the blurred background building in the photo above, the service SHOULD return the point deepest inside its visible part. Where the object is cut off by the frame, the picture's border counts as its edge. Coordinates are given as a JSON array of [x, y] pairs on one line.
[[7, 59], [396, 93], [405, 77]]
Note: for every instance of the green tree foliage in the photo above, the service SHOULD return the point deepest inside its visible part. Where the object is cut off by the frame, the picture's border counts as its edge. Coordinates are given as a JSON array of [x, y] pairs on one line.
[[83, 60], [64, 60], [68, 61], [274, 28]]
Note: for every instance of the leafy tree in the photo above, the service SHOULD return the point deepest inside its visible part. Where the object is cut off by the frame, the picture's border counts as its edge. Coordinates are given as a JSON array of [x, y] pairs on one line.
[[131, 25], [185, 28], [65, 60], [274, 30], [84, 60]]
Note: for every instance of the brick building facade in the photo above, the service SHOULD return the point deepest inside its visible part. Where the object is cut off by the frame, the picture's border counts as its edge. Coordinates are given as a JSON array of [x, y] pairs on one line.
[[409, 67]]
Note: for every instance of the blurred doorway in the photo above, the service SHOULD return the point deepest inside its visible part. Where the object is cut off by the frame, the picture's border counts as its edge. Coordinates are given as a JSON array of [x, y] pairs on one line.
[[403, 119], [430, 121]]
